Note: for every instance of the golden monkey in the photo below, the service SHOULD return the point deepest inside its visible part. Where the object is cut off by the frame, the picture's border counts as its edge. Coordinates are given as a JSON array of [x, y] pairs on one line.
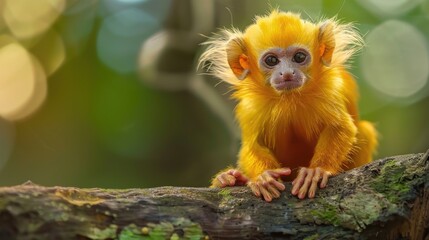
[[297, 103]]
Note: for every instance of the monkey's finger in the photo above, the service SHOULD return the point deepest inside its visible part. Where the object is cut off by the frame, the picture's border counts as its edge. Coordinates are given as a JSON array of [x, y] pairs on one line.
[[297, 185], [266, 177], [303, 190], [277, 184], [268, 180], [280, 186], [222, 181], [265, 193], [299, 180], [240, 177], [230, 179], [273, 191], [314, 182], [279, 172], [325, 179], [254, 188]]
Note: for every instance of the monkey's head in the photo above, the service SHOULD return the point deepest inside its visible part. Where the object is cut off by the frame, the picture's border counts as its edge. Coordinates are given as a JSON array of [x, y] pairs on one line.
[[280, 52], [285, 68]]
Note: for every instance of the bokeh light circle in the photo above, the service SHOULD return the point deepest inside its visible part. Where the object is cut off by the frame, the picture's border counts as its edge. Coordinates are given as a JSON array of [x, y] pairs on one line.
[[389, 7], [17, 79], [38, 95], [395, 61], [120, 37], [22, 82], [27, 19]]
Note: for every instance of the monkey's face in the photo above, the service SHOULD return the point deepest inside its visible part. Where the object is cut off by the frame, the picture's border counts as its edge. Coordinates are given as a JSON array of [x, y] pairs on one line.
[[285, 69]]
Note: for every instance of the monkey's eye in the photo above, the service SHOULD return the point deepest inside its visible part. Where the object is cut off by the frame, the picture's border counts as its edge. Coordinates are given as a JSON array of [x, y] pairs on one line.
[[299, 57], [271, 60]]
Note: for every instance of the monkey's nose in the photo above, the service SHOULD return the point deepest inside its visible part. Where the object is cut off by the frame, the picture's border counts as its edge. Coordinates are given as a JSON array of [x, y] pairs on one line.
[[288, 76]]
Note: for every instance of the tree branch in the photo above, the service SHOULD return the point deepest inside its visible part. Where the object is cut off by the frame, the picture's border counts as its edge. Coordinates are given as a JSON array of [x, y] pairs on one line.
[[387, 199]]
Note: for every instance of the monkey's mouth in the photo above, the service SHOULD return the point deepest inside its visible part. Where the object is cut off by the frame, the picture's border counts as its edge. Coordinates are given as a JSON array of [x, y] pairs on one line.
[[286, 85]]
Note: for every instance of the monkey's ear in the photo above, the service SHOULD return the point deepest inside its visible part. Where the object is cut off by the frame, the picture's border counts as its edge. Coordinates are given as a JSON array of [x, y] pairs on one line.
[[237, 58], [326, 41]]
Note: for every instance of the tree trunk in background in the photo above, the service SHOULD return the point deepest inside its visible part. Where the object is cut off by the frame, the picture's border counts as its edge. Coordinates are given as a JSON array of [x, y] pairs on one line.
[[387, 199]]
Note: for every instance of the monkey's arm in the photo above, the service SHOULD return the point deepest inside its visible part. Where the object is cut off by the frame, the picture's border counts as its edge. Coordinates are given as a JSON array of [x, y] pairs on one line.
[[334, 144], [255, 158], [332, 149]]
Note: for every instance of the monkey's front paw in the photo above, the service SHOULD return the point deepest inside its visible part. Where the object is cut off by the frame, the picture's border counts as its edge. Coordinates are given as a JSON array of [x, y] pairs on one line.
[[307, 180], [231, 177], [269, 184]]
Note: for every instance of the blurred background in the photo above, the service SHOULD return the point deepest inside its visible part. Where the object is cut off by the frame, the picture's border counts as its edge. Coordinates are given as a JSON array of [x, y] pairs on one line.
[[106, 93]]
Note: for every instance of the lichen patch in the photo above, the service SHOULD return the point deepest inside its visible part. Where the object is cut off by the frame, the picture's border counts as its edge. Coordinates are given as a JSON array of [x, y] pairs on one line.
[[78, 197]]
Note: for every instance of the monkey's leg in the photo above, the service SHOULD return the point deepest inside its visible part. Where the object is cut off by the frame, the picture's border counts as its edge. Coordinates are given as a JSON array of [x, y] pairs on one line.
[[229, 177], [365, 146]]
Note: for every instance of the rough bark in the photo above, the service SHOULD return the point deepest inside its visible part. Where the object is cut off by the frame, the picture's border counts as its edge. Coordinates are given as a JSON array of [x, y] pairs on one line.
[[387, 199]]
